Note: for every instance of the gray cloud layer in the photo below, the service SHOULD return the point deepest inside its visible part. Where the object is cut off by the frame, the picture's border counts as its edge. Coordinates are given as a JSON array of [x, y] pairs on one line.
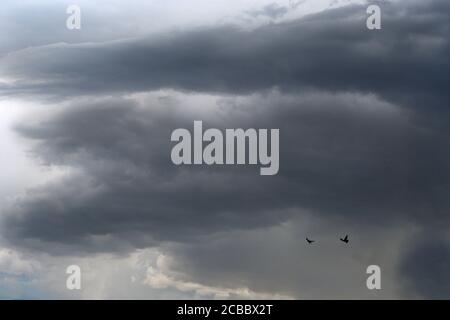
[[311, 52], [362, 116]]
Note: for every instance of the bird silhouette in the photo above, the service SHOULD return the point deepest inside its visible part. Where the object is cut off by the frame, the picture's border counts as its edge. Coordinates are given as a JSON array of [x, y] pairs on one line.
[[309, 241], [345, 239]]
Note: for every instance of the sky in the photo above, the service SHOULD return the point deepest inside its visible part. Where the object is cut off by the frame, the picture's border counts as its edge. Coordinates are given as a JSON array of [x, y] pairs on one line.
[[86, 176]]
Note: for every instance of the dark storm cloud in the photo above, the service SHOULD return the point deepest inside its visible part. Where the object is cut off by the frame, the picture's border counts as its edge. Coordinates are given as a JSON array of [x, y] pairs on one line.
[[426, 267], [341, 155], [276, 259], [406, 61], [352, 148], [135, 189]]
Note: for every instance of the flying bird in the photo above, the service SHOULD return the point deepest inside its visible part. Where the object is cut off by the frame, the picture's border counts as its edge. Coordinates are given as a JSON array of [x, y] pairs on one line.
[[345, 239], [309, 241]]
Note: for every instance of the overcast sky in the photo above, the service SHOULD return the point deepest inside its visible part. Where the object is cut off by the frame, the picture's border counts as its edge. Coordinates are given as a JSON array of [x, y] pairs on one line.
[[87, 179]]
